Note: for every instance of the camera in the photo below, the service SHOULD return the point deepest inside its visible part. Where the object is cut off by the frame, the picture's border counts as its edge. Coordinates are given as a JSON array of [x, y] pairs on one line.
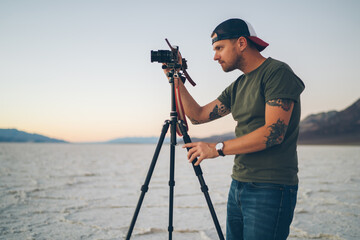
[[170, 58], [164, 56]]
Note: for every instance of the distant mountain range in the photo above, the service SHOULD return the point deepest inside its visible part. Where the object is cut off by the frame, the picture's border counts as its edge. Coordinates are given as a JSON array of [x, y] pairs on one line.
[[332, 127], [14, 135], [335, 128]]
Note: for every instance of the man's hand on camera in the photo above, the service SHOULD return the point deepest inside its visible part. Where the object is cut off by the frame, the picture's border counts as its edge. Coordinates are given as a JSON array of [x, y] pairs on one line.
[[201, 150], [167, 69]]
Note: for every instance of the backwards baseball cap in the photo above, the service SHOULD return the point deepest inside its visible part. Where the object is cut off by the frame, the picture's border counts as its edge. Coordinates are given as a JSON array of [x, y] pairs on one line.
[[235, 28]]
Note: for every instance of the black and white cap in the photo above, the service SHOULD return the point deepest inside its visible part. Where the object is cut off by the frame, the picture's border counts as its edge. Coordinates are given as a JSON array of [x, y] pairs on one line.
[[235, 28]]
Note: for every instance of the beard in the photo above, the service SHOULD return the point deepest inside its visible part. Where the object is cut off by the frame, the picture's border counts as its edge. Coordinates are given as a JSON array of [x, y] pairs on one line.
[[233, 64], [228, 68]]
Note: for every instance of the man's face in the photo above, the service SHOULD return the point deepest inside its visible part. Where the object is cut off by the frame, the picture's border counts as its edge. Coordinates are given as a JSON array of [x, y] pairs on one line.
[[226, 54]]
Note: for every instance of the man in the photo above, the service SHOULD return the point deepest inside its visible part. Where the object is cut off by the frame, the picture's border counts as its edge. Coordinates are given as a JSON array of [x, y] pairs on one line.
[[265, 102]]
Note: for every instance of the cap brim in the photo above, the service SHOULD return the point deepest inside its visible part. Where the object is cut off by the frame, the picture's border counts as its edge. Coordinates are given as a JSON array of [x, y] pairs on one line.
[[260, 44]]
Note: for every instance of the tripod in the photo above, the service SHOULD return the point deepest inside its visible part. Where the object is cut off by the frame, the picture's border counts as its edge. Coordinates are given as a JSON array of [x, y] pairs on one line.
[[173, 123]]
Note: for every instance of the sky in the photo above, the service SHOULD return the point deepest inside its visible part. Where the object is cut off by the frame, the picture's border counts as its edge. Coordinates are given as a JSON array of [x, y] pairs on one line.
[[80, 70]]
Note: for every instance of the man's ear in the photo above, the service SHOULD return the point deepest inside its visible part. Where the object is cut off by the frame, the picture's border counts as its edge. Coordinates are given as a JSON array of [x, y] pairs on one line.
[[242, 43]]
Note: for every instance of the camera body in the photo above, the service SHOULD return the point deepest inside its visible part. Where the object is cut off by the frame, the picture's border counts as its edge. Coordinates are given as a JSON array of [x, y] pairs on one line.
[[171, 59]]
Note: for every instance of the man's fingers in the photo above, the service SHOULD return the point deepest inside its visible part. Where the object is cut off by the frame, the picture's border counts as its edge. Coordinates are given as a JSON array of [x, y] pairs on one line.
[[194, 154], [195, 151], [199, 160], [189, 145], [193, 157], [191, 152]]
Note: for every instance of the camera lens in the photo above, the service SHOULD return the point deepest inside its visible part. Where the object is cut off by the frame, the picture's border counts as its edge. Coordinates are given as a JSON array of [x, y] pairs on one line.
[[162, 56]]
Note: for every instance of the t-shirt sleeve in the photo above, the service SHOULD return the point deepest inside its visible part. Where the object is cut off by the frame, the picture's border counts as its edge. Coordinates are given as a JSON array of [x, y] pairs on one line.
[[283, 83], [225, 96]]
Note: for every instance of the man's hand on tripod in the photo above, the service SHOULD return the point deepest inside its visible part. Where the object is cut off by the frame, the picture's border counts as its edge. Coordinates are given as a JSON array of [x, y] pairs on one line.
[[201, 151]]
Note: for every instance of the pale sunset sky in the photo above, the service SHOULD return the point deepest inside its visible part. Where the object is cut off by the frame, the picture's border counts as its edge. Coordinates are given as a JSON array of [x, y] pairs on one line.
[[80, 70]]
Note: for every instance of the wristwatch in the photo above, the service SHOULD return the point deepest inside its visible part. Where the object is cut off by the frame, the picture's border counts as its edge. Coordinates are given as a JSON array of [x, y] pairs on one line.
[[219, 148]]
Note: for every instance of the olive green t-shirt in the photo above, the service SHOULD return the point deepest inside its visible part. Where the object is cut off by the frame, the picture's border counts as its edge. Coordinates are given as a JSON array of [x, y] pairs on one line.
[[246, 98]]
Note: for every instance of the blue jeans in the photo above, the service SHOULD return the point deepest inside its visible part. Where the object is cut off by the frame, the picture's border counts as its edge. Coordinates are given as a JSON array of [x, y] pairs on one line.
[[259, 211]]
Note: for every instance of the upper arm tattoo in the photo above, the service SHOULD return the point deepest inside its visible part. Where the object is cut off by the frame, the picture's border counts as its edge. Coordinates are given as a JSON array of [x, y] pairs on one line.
[[285, 104], [218, 112], [278, 129], [277, 133]]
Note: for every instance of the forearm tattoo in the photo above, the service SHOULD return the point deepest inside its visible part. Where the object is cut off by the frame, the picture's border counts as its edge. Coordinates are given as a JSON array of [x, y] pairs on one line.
[[194, 121], [285, 104], [277, 133], [218, 112]]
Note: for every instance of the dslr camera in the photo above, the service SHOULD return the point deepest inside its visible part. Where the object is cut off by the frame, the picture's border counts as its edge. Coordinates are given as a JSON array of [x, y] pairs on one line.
[[170, 59]]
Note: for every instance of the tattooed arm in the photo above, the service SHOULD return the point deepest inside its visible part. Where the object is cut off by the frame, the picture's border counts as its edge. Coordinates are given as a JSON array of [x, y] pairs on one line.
[[209, 112], [278, 110], [200, 114], [277, 116]]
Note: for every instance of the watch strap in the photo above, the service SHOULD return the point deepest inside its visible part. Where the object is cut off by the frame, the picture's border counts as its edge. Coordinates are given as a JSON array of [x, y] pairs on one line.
[[220, 150], [221, 153]]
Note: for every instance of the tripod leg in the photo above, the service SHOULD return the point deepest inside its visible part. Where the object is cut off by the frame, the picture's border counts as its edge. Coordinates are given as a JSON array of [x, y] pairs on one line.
[[172, 176], [204, 188], [145, 187]]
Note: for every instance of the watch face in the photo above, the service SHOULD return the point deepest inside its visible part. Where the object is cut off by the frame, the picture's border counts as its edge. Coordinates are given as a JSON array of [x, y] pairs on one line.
[[219, 146]]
